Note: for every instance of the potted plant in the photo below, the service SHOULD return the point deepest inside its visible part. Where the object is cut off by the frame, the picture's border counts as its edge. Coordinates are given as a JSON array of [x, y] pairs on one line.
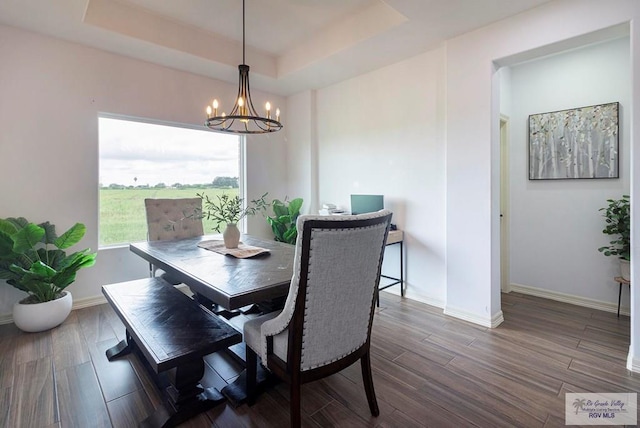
[[228, 210], [32, 259], [283, 223], [618, 224]]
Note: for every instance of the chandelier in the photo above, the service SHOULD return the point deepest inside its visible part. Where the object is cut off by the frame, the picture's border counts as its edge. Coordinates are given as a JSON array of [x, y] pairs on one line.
[[243, 119]]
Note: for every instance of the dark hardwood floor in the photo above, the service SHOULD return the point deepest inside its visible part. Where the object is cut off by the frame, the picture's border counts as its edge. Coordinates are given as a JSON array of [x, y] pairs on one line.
[[428, 370]]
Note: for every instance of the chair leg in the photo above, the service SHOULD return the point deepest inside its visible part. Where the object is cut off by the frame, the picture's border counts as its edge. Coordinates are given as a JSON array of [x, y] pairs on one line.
[[252, 373], [294, 408], [365, 362]]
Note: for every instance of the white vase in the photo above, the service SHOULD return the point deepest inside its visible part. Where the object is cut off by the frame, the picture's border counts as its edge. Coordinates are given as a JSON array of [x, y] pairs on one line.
[[33, 317], [625, 269], [231, 236]]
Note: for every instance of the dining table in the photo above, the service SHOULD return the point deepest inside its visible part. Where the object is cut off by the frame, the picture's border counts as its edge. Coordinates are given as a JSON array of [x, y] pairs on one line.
[[229, 282], [225, 280]]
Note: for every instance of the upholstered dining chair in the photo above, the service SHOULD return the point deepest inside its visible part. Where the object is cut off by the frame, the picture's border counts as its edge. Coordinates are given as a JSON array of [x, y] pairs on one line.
[[325, 325], [172, 219]]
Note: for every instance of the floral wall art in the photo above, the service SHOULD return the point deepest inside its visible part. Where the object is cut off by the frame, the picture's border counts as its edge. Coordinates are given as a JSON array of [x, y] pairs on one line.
[[575, 143]]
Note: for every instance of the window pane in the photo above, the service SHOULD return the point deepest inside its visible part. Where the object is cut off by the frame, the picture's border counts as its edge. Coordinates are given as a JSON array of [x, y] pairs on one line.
[[140, 160]]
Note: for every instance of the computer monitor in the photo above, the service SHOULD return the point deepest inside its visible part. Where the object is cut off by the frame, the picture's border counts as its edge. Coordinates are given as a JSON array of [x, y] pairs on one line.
[[361, 204]]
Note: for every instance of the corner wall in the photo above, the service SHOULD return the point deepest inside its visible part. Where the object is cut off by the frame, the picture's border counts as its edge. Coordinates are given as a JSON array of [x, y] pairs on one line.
[[473, 288], [302, 161], [382, 133]]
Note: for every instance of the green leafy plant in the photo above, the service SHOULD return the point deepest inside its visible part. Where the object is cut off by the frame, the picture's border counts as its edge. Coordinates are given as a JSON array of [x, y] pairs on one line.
[[283, 223], [618, 218], [32, 257], [226, 209]]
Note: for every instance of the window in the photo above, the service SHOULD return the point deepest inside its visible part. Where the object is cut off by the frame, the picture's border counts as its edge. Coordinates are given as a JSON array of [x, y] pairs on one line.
[[141, 160]]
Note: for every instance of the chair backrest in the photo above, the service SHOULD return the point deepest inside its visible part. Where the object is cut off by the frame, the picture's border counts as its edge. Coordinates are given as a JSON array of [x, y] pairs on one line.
[[173, 218], [337, 272]]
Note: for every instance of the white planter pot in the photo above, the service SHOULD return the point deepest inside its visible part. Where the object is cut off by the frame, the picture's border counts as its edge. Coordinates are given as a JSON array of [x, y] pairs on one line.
[[42, 316], [625, 269]]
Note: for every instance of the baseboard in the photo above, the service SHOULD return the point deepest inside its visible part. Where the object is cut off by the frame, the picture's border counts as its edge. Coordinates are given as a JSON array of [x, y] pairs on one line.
[[88, 301], [6, 319], [418, 298], [633, 364], [495, 321], [77, 304], [492, 322], [568, 298]]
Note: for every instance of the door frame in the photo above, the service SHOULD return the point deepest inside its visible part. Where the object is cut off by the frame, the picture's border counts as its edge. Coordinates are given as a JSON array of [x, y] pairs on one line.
[[505, 282]]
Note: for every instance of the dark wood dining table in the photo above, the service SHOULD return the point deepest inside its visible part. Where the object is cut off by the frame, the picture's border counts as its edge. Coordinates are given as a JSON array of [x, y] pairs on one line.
[[227, 281], [223, 279]]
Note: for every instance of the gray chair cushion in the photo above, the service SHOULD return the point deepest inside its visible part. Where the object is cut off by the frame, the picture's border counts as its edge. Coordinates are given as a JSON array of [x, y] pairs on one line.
[[253, 337]]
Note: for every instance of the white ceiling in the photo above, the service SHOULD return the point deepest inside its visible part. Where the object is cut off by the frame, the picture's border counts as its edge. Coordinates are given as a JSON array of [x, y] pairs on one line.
[[292, 45]]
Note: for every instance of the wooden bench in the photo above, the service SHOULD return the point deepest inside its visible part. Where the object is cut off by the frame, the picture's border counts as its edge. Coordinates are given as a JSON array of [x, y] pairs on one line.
[[173, 333]]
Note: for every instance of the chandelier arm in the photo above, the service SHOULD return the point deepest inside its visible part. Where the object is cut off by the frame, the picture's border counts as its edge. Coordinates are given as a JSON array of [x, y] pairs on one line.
[[252, 109]]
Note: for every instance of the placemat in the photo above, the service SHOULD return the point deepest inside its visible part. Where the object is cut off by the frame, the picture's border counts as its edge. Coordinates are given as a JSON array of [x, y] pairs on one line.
[[242, 252]]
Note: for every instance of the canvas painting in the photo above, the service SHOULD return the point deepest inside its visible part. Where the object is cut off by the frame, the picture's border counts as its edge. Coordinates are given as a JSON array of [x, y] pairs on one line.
[[575, 143]]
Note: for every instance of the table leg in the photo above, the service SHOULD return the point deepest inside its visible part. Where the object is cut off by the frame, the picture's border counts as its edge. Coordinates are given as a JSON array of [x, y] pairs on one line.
[[236, 391], [401, 269], [619, 297]]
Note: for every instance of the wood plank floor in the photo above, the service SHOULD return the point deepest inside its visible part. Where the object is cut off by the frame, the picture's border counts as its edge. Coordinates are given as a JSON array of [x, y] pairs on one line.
[[428, 369]]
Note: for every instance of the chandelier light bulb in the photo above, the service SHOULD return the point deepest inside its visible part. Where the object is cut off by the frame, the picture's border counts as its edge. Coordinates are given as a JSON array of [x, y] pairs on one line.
[[208, 111]]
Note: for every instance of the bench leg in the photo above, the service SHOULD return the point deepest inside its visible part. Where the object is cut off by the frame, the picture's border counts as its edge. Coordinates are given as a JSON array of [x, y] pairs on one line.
[[185, 396], [185, 383], [123, 348]]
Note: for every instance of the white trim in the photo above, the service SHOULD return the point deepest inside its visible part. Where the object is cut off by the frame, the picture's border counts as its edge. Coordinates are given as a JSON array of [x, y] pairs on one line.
[[416, 297], [505, 208], [6, 319], [77, 304], [633, 364], [568, 298], [492, 322], [88, 301]]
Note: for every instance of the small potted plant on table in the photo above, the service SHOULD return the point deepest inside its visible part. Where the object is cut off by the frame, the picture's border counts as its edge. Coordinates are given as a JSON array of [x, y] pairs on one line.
[[32, 259], [618, 219], [228, 210]]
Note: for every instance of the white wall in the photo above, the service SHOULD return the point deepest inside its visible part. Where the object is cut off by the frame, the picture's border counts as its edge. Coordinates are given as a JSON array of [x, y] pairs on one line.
[[302, 162], [382, 133], [51, 94], [556, 227]]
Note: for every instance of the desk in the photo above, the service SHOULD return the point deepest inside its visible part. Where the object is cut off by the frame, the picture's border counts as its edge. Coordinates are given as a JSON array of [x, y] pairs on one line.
[[229, 282], [394, 237]]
